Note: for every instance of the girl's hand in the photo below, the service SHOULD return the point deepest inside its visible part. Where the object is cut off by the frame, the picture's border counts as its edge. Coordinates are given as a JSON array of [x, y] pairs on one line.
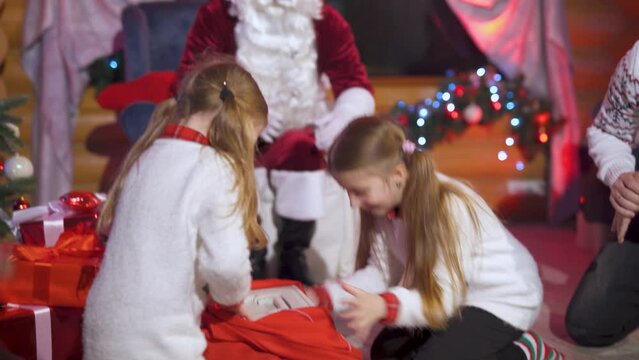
[[365, 310]]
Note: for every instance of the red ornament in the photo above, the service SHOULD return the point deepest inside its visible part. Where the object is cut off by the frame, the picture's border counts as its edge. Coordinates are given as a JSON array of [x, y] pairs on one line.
[[80, 200], [542, 118], [20, 204], [403, 120]]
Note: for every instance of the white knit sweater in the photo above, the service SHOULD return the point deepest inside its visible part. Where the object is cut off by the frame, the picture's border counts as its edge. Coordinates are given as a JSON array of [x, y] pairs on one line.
[[501, 276], [173, 232], [614, 130]]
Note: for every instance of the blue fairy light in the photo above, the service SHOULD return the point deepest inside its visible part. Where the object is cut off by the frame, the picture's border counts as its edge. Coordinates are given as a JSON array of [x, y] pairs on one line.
[[113, 64], [401, 104], [420, 122], [436, 104], [439, 95], [452, 87], [514, 122], [494, 89], [497, 77], [446, 96], [519, 165], [428, 101], [421, 141], [423, 113], [510, 105]]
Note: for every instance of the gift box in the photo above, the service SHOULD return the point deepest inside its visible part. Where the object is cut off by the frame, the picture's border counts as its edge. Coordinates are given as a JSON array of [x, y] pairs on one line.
[[40, 332], [58, 276], [42, 225]]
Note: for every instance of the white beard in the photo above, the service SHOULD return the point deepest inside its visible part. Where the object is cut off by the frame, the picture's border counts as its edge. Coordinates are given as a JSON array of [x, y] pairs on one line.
[[276, 44]]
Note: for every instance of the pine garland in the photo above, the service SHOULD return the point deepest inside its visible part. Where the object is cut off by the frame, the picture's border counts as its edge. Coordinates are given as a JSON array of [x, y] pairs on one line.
[[479, 98]]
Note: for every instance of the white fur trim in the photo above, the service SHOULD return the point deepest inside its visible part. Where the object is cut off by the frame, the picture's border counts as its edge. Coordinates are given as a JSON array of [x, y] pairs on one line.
[[299, 195], [351, 104], [276, 44]]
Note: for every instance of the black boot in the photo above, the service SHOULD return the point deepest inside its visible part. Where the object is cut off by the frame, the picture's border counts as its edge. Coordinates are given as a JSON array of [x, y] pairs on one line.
[[258, 264], [294, 238]]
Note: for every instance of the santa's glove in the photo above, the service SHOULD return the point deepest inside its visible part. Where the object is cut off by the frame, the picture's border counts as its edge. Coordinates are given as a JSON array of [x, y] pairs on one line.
[[351, 104], [273, 129]]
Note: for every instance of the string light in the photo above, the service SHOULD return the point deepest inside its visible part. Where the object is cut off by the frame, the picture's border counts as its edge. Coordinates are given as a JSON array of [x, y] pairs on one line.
[[502, 155], [510, 141], [520, 165]]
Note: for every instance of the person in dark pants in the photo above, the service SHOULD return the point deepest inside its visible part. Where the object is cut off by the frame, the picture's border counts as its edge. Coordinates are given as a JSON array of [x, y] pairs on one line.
[[605, 306]]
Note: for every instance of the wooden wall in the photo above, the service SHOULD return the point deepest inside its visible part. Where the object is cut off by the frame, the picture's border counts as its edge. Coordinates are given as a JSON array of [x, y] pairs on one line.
[[600, 32]]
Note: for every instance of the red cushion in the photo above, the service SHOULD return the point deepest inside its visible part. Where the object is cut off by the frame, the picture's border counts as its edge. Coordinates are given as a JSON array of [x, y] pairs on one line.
[[154, 87]]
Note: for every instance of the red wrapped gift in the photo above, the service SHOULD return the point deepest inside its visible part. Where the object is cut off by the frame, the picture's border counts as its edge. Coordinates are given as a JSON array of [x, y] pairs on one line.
[[40, 332], [305, 333], [58, 276], [42, 225]]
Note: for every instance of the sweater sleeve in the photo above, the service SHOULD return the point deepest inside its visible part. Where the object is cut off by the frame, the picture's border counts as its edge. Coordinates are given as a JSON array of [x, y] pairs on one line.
[[222, 253], [411, 310], [373, 278], [615, 126]]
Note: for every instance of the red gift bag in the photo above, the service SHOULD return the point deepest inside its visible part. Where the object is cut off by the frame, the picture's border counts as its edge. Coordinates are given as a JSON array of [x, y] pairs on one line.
[[305, 333]]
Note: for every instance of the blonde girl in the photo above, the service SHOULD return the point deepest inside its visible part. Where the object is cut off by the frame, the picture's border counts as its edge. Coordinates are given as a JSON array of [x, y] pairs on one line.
[[435, 263], [181, 216]]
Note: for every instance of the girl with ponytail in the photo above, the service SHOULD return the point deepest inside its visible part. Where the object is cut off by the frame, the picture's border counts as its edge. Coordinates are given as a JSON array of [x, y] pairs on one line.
[[434, 261], [181, 216]]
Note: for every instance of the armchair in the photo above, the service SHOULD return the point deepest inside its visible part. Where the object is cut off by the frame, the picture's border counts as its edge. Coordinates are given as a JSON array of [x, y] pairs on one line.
[[154, 34]]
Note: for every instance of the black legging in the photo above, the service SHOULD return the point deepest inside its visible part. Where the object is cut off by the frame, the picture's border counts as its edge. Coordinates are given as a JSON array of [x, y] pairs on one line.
[[476, 334]]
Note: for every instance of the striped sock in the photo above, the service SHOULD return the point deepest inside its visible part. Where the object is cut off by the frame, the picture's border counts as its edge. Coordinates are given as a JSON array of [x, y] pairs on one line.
[[535, 349]]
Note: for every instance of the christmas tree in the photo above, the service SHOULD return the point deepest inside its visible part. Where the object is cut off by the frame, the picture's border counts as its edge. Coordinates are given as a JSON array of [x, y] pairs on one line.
[[16, 173]]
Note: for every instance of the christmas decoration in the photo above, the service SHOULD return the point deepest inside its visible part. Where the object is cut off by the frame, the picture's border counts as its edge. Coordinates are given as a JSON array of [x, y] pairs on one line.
[[16, 178], [480, 97], [106, 70], [20, 204], [82, 201], [18, 167]]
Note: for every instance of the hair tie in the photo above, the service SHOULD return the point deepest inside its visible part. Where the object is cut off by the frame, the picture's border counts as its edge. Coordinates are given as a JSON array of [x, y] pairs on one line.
[[225, 93], [408, 147]]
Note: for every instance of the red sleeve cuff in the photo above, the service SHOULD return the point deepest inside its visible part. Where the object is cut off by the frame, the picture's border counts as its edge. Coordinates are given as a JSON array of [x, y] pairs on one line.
[[392, 308], [323, 297]]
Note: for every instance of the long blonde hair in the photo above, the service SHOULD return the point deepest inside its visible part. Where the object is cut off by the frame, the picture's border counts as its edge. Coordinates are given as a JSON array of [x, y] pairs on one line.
[[376, 144], [237, 112]]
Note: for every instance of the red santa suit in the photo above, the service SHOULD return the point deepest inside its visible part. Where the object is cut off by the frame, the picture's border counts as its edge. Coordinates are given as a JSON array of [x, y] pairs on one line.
[[290, 47]]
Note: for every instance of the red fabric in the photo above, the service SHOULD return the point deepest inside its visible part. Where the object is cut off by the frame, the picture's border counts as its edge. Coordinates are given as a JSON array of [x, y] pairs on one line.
[[173, 131], [392, 307], [324, 297], [337, 54], [294, 150], [154, 87], [308, 333]]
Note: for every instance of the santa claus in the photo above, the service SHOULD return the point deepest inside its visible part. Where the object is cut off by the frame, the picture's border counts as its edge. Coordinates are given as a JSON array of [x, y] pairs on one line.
[[292, 47]]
